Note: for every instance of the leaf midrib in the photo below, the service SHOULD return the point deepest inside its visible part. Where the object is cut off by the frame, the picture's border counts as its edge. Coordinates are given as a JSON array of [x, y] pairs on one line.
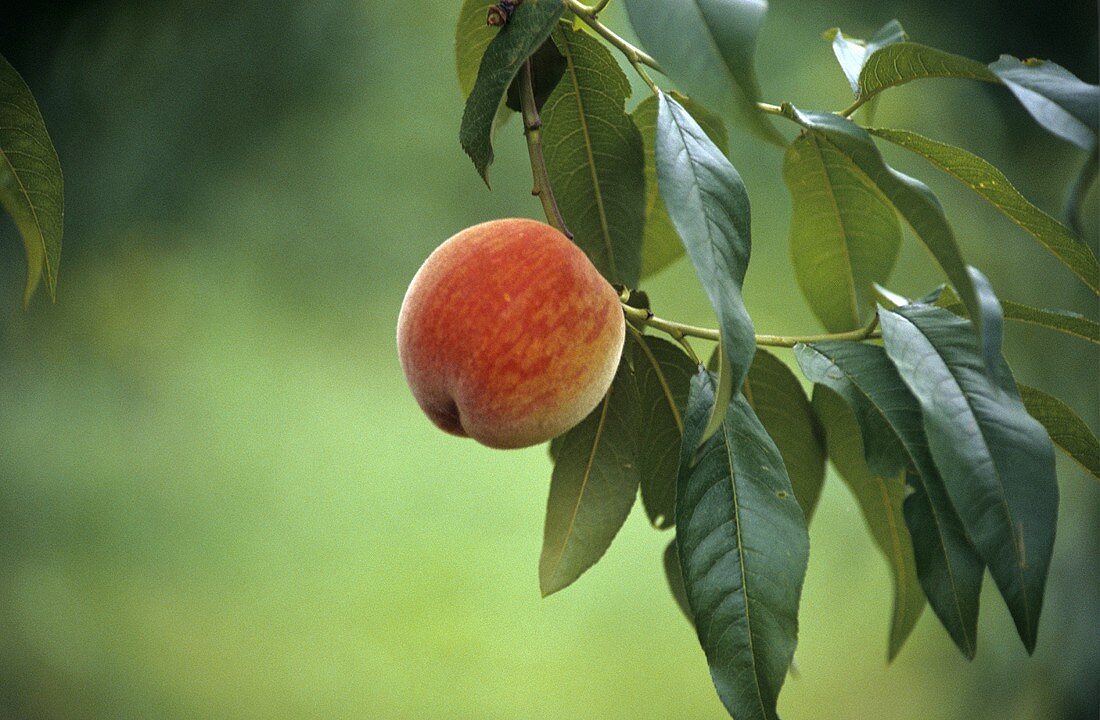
[[817, 139], [728, 442], [597, 192], [596, 438]]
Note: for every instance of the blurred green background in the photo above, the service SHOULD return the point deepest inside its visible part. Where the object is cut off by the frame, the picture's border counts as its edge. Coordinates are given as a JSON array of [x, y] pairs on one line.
[[218, 498]]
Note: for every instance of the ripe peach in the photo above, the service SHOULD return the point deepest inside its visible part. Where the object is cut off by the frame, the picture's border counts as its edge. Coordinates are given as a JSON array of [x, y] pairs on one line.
[[508, 334]]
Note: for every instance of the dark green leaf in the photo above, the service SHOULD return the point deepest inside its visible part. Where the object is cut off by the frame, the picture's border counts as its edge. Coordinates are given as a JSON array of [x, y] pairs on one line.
[[948, 567], [662, 245], [663, 373], [675, 577], [916, 203], [31, 186], [743, 551], [777, 398], [592, 488], [852, 53], [509, 49], [1067, 430], [993, 325], [880, 501], [997, 462], [595, 159], [472, 36], [899, 63], [708, 49], [709, 207], [992, 185], [845, 235], [547, 67], [1055, 97]]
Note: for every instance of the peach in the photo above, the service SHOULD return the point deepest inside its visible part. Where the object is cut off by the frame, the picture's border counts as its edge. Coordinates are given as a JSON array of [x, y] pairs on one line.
[[508, 334]]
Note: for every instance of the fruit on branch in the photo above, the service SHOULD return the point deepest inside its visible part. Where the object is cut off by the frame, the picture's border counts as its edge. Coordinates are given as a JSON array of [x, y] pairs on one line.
[[508, 334]]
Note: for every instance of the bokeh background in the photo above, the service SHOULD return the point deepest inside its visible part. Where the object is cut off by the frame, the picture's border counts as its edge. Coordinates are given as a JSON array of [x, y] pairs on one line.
[[219, 500]]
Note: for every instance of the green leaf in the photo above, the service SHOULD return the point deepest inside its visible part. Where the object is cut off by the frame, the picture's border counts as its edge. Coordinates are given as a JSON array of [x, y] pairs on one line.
[[992, 185], [1078, 192], [892, 430], [899, 63], [661, 245], [1063, 321], [31, 185], [708, 48], [852, 53], [675, 577], [529, 27], [595, 159], [722, 394], [709, 207], [880, 500], [845, 235], [663, 373], [997, 462], [993, 326], [592, 487], [916, 203], [777, 398], [1067, 430], [743, 550], [1055, 97], [547, 67], [472, 36]]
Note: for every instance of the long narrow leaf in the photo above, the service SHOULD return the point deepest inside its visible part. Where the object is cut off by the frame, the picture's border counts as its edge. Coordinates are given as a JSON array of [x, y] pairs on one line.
[[997, 462], [743, 550]]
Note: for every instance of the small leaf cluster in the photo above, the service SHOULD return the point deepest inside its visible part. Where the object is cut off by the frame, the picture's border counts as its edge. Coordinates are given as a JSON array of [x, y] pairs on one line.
[[950, 461]]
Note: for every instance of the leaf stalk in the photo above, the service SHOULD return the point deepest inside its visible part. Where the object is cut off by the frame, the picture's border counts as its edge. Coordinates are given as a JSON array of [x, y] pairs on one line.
[[532, 130], [678, 331]]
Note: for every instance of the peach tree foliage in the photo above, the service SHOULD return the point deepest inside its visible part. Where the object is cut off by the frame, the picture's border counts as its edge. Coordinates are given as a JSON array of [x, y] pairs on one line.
[[951, 461], [31, 186]]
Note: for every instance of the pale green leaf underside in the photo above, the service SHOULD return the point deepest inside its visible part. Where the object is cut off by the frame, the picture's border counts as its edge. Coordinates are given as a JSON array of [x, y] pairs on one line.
[[913, 199], [851, 53], [472, 35], [1057, 99], [992, 185], [31, 185], [661, 245], [845, 235], [595, 158], [1067, 430], [880, 501]]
